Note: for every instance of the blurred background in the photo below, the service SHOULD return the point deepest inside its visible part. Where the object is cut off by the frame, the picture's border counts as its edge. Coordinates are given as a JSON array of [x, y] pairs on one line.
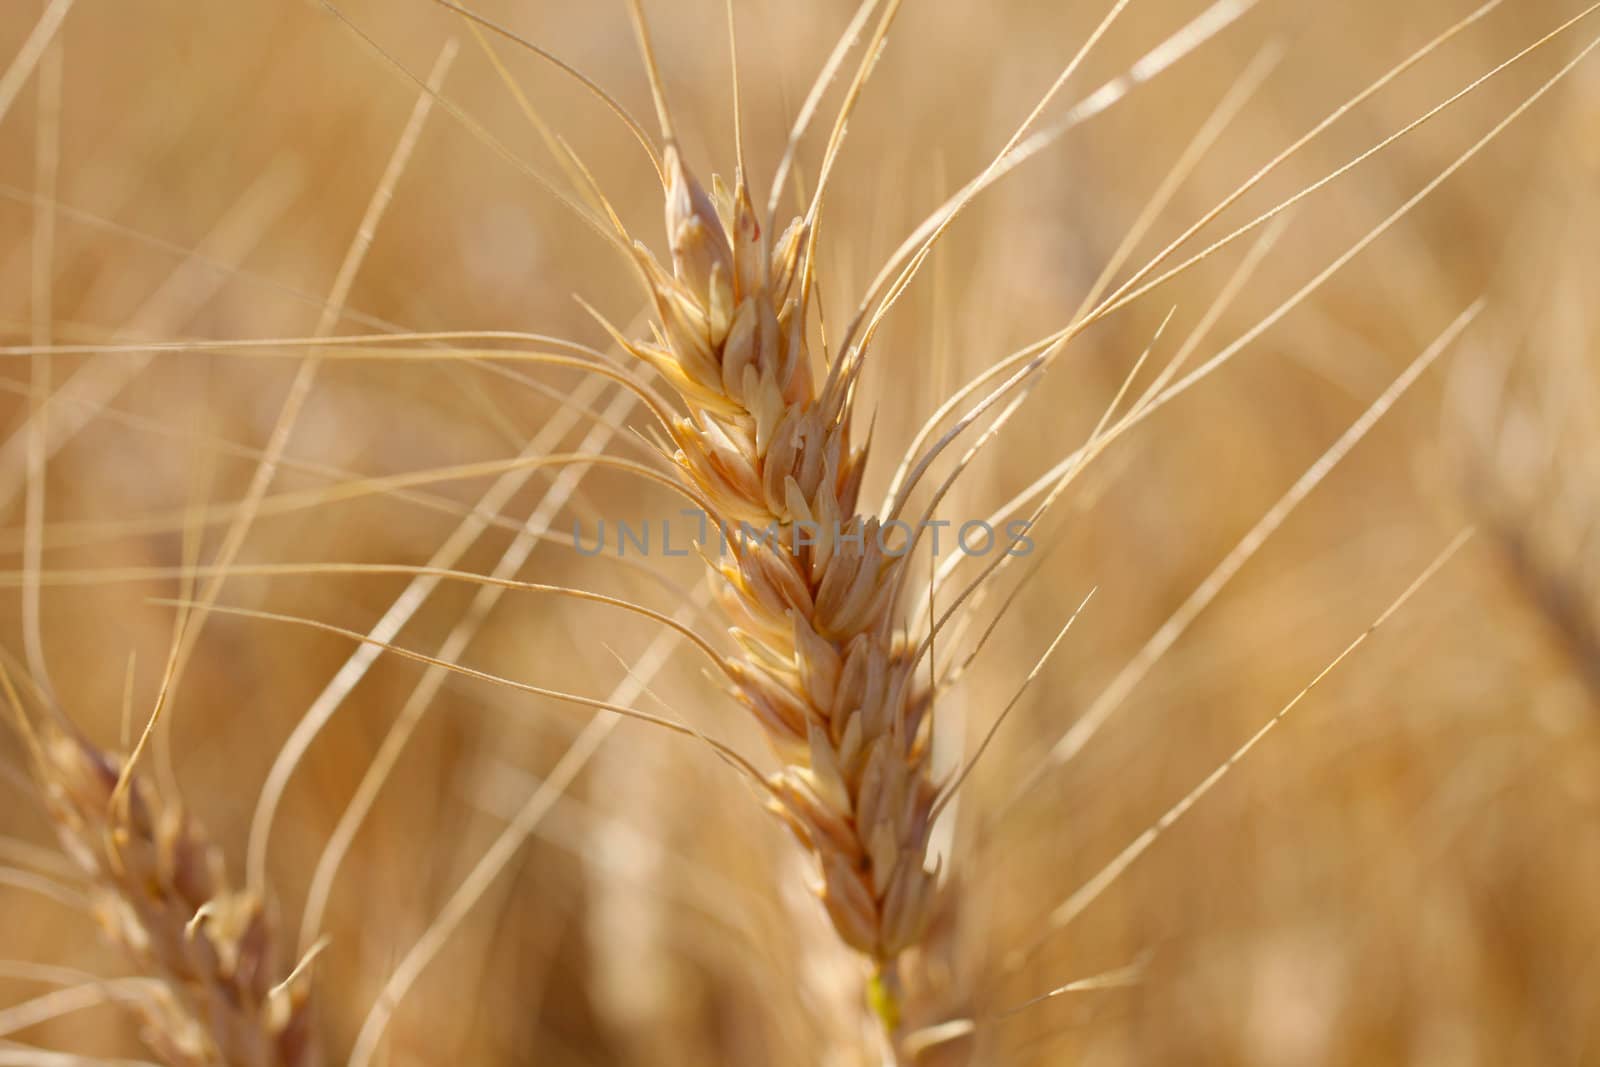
[[1403, 873]]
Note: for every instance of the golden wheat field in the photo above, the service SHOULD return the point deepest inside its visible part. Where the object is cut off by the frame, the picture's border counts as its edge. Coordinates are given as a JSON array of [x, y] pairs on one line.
[[858, 532]]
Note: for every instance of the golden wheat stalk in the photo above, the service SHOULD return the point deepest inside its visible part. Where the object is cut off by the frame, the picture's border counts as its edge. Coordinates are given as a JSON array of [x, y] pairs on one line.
[[807, 581]]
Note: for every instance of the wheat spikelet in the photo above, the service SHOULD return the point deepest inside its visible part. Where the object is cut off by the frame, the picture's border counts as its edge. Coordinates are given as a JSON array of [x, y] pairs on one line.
[[161, 894]]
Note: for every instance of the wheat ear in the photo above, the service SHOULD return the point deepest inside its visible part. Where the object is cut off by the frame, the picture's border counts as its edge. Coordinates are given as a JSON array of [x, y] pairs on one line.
[[162, 895], [821, 663]]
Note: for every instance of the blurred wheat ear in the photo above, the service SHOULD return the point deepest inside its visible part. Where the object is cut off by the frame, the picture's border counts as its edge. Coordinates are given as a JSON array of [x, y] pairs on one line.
[[219, 995], [1523, 420]]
